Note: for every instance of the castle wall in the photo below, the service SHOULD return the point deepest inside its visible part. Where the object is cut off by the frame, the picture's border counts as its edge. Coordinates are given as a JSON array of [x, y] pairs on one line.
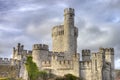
[[85, 70], [63, 67], [5, 61], [97, 65], [58, 38], [23, 72]]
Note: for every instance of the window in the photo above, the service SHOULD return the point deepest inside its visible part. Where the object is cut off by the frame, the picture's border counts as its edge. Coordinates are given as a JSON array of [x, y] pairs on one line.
[[60, 62], [96, 65], [70, 15]]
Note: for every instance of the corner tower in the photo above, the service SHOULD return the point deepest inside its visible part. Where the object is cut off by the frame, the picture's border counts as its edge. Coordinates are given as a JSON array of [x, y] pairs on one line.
[[70, 31]]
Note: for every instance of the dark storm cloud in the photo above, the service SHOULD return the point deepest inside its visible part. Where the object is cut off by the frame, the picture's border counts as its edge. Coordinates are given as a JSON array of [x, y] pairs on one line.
[[31, 21]]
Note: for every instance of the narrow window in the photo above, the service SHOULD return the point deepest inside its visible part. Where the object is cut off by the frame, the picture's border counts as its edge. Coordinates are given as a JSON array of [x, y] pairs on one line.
[[60, 62], [96, 65]]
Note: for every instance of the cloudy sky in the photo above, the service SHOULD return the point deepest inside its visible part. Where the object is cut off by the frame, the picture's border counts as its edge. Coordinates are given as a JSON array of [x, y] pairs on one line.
[[31, 21]]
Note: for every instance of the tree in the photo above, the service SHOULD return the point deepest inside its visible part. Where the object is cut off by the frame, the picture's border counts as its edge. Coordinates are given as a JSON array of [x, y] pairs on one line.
[[32, 69]]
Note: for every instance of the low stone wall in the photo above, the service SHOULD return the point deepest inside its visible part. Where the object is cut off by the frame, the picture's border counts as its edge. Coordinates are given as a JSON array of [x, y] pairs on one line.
[[8, 71]]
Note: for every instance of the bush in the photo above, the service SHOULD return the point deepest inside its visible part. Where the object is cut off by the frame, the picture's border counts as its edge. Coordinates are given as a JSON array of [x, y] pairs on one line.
[[60, 78], [32, 69], [43, 75], [70, 77]]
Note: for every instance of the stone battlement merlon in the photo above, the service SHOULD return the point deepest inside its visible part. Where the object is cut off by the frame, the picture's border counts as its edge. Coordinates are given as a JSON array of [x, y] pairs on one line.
[[109, 49], [69, 11], [86, 52], [65, 62], [18, 48], [85, 64], [5, 61], [94, 55], [40, 47]]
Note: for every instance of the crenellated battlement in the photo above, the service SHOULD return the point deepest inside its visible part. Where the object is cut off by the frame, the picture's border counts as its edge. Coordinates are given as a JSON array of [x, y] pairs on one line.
[[109, 49], [58, 30], [94, 54], [68, 11], [63, 62], [40, 47], [46, 63], [5, 61], [86, 52], [85, 64], [76, 55], [19, 47]]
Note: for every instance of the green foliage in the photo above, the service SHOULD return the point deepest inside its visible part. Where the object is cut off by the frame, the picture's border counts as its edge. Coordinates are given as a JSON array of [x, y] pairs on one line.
[[32, 69], [70, 77], [35, 74], [60, 78], [7, 79]]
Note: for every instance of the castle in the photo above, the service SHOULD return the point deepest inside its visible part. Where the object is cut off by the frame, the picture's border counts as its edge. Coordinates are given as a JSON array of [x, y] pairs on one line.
[[64, 58]]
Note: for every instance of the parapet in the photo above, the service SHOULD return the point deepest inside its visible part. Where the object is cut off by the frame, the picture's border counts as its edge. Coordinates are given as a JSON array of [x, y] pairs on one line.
[[57, 30], [85, 65], [46, 63], [109, 49], [86, 52], [5, 61], [68, 11], [106, 50], [101, 50], [18, 48], [40, 47], [94, 54]]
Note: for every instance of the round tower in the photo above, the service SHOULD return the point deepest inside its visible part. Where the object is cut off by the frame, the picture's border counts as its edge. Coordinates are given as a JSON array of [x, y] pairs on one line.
[[39, 53], [70, 31]]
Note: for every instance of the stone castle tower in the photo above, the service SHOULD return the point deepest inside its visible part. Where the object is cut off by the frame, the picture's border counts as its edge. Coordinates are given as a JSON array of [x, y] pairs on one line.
[[65, 36], [64, 59]]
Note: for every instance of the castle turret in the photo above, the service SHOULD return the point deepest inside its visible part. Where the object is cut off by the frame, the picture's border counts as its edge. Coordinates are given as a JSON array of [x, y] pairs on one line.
[[39, 54], [70, 32], [18, 51], [109, 57], [86, 55]]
